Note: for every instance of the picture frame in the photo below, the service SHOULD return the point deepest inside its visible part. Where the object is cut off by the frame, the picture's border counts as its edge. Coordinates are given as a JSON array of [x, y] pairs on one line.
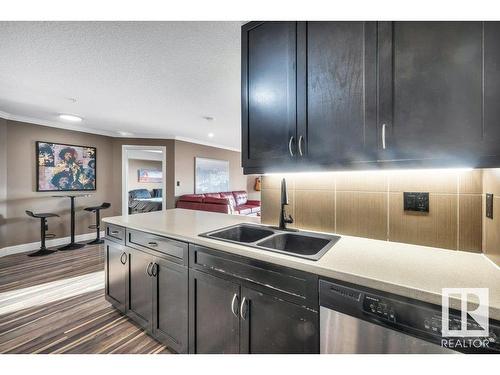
[[65, 167]]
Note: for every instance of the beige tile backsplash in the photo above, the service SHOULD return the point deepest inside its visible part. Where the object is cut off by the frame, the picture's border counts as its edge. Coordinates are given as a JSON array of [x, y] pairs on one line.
[[370, 204]]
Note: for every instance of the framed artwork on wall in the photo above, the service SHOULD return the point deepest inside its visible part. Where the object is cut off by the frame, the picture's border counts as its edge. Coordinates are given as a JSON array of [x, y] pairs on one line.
[[150, 175], [64, 167], [211, 175]]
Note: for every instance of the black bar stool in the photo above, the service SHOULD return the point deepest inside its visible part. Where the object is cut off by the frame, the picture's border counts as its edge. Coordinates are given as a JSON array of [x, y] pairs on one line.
[[43, 232], [97, 225]]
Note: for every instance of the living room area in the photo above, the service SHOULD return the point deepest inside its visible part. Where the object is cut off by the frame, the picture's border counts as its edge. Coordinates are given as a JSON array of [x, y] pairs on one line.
[[195, 176]]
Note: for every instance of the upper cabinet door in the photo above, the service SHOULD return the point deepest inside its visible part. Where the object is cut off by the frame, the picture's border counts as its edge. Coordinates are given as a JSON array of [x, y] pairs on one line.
[[491, 125], [337, 92], [268, 87], [430, 90]]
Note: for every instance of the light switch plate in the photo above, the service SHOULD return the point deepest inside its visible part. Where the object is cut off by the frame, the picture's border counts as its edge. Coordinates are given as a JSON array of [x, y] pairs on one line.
[[489, 206]]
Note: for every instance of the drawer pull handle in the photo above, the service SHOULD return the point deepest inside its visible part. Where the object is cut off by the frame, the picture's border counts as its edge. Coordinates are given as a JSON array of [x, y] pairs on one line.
[[122, 259], [148, 269], [153, 244], [234, 305], [244, 308], [115, 232]]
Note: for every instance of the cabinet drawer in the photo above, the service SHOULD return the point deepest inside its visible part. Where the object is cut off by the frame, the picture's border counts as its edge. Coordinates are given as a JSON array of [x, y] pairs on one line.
[[293, 285], [177, 250], [115, 233]]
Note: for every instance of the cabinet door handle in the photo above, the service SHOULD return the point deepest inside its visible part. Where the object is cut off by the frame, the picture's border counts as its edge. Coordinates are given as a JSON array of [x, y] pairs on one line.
[[154, 270], [148, 271], [290, 146], [383, 136], [153, 244], [234, 305], [123, 261], [114, 232], [300, 145], [243, 308]]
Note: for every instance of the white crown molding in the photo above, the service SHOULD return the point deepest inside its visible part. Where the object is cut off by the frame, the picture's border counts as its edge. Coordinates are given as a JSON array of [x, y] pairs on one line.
[[53, 124], [33, 246]]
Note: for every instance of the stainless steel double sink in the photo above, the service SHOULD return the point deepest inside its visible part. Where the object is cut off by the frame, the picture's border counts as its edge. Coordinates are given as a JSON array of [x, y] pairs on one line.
[[301, 244]]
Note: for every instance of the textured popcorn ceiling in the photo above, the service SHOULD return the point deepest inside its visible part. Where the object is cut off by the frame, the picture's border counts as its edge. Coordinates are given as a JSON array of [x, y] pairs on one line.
[[151, 79]]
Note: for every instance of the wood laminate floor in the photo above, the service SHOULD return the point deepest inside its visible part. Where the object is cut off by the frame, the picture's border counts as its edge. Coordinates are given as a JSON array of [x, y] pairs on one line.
[[55, 304]]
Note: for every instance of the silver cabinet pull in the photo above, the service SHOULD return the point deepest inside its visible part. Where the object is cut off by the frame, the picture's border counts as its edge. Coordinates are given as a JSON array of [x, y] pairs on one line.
[[153, 244], [290, 146], [243, 304], [148, 271], [114, 232], [122, 260], [383, 136], [234, 305], [300, 145], [154, 270]]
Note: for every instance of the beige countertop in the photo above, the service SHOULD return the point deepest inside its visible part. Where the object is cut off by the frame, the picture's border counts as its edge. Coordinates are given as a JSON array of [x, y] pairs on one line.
[[413, 271]]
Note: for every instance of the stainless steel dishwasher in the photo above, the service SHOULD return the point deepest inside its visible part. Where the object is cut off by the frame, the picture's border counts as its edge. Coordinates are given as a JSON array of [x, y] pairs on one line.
[[358, 320]]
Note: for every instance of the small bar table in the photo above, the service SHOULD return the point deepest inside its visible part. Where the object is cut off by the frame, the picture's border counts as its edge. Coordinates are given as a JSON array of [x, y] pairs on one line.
[[72, 245]]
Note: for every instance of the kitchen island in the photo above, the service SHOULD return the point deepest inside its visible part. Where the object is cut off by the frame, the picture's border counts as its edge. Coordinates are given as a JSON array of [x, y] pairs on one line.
[[171, 239]]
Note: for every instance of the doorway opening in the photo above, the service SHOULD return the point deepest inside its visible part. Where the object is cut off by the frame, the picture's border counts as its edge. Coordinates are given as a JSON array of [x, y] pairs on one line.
[[143, 179]]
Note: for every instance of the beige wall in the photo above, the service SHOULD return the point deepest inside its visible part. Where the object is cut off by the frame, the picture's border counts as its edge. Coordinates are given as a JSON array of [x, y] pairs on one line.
[[184, 166], [134, 165], [491, 228], [370, 204], [21, 194]]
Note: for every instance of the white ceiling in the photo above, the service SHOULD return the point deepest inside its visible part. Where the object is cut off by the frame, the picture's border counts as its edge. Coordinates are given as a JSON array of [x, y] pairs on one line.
[[151, 79]]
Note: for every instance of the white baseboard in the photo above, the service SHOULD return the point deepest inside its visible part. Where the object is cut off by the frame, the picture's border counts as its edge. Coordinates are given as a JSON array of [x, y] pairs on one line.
[[9, 250]]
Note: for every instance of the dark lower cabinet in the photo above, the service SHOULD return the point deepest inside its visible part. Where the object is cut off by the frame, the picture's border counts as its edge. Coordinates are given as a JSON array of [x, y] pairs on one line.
[[270, 325], [170, 304], [214, 319], [226, 317], [151, 290], [116, 274], [140, 287]]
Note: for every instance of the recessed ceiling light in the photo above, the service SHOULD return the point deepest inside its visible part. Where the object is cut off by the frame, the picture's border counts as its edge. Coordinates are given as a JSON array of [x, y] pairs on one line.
[[71, 118], [210, 135], [125, 134]]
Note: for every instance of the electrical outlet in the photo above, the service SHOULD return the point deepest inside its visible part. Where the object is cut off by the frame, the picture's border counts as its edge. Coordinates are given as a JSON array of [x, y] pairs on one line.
[[414, 201], [489, 206]]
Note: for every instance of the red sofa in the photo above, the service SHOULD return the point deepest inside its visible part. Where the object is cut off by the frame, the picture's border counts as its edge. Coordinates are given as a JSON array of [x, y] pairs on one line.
[[232, 202]]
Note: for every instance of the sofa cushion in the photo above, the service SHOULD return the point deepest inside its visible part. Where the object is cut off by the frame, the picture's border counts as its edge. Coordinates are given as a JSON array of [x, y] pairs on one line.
[[245, 207], [216, 200], [229, 196], [212, 195], [242, 210], [240, 197], [197, 198]]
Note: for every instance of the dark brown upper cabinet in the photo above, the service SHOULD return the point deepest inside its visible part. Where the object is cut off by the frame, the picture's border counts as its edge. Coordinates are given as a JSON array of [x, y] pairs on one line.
[[336, 93], [431, 92], [371, 94], [268, 94]]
